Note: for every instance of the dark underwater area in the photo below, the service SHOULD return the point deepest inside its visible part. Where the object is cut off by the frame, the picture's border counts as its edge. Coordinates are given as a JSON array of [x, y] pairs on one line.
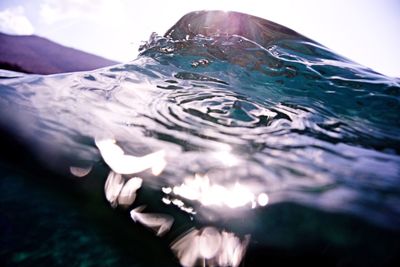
[[313, 130]]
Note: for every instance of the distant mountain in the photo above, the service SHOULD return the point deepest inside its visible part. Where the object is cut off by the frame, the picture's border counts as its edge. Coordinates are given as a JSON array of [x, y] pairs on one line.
[[34, 54]]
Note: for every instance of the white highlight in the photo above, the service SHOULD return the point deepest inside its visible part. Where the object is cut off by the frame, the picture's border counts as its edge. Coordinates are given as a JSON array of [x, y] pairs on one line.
[[233, 249], [120, 163], [226, 158], [186, 248], [128, 193], [120, 193], [113, 187], [177, 202], [262, 199], [209, 242], [209, 245], [159, 223], [199, 188], [166, 190], [166, 200]]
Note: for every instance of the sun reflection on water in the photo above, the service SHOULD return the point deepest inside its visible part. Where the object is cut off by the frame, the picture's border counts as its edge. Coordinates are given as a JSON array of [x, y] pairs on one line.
[[160, 223], [210, 247], [207, 246], [262, 199], [199, 188], [224, 155], [121, 163]]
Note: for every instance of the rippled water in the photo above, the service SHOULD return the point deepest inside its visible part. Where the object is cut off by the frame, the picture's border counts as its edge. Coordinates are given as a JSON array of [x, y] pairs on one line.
[[246, 122]]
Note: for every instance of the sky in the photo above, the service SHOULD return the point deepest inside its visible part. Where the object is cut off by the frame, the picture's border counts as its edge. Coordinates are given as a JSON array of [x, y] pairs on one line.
[[366, 31]]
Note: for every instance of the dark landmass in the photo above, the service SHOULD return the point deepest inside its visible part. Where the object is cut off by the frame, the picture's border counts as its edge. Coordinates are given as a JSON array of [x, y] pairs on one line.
[[34, 54]]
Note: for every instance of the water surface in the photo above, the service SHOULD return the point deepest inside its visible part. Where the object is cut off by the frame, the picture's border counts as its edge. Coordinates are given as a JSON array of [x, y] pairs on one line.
[[265, 135]]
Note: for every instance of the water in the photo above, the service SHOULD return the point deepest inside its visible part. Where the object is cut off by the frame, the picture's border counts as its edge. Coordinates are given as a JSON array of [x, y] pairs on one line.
[[266, 136]]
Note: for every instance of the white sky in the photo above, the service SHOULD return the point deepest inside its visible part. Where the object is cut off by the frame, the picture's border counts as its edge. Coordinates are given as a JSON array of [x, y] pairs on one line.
[[366, 31]]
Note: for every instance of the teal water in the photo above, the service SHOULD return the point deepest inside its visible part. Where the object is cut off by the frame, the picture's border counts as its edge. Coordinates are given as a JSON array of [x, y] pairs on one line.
[[247, 102]]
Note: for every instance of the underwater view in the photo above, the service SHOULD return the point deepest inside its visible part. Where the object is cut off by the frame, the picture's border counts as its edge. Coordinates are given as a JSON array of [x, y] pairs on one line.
[[229, 141]]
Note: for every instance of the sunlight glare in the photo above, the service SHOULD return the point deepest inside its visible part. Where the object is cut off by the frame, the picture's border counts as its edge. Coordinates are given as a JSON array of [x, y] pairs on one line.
[[128, 193], [113, 187], [119, 192], [120, 163], [226, 157], [200, 189], [211, 247], [262, 199], [159, 223]]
